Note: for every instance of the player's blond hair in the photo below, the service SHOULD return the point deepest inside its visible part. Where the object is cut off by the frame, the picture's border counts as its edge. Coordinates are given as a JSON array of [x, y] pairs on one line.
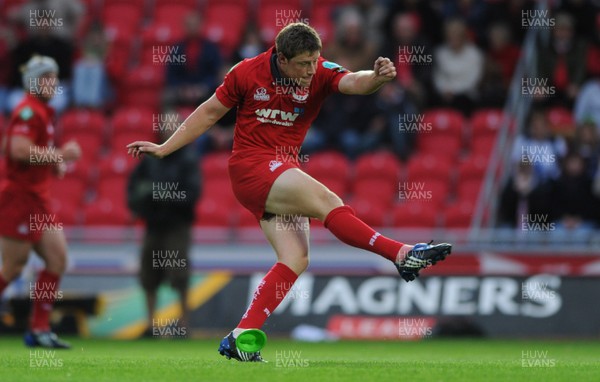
[[297, 38]]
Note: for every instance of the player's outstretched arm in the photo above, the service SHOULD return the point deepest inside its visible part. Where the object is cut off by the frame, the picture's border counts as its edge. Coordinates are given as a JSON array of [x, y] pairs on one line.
[[368, 81], [195, 125]]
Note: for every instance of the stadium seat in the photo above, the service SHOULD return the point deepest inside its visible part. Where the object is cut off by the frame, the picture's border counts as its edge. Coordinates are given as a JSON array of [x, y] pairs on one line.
[[244, 218], [134, 119], [330, 168], [429, 191], [561, 120], [220, 191], [70, 190], [468, 190], [157, 39], [321, 18], [76, 120], [273, 17], [449, 146], [215, 166], [445, 122], [483, 145], [418, 215], [120, 140], [91, 144], [107, 211], [486, 122], [459, 215], [378, 165], [116, 164], [377, 191], [2, 168], [209, 213], [224, 24], [121, 15], [112, 188], [372, 213], [67, 214], [143, 87], [429, 165], [473, 168]]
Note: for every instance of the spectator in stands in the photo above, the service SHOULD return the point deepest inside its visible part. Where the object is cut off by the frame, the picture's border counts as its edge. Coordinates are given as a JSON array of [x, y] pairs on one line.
[[90, 80], [587, 145], [539, 147], [250, 46], [562, 59], [192, 82], [587, 104], [574, 206], [524, 194], [413, 56], [41, 41], [429, 20], [500, 61], [373, 14], [350, 47], [473, 12], [63, 16], [163, 193], [593, 56], [458, 67]]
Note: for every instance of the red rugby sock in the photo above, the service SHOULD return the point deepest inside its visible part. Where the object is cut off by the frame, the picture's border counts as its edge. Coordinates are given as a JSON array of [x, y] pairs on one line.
[[45, 293], [269, 293], [3, 284], [343, 223]]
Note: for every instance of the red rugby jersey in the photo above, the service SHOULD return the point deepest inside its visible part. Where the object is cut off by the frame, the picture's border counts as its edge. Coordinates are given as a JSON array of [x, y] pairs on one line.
[[273, 113], [32, 118]]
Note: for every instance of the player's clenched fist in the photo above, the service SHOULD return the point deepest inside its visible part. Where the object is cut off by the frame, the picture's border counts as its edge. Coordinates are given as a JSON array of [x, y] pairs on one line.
[[384, 68]]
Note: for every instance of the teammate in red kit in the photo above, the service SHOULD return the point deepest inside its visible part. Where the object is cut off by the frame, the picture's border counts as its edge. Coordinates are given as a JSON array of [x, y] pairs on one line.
[[278, 94], [27, 222]]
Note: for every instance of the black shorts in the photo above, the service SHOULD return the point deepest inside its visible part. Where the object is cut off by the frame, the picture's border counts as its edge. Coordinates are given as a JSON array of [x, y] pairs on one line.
[[165, 257]]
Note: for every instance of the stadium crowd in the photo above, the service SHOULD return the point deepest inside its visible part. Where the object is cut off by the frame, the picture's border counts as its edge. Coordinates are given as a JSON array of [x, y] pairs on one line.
[[124, 62]]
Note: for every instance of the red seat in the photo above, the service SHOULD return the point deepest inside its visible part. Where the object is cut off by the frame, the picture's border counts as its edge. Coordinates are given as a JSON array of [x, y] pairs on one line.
[[224, 24], [439, 145], [135, 119], [67, 214], [117, 164], [91, 144], [107, 211], [245, 218], [121, 140], [431, 191], [377, 191], [561, 120], [486, 122], [219, 190], [469, 189], [445, 122], [372, 213], [70, 191], [76, 120], [123, 15], [428, 165], [272, 17], [143, 86], [483, 145], [381, 165], [459, 215], [330, 168], [473, 168], [209, 213], [322, 21], [420, 215], [215, 166], [112, 188], [173, 13]]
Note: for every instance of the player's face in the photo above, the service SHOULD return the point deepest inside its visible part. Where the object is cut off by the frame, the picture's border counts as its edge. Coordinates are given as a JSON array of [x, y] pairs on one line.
[[303, 67]]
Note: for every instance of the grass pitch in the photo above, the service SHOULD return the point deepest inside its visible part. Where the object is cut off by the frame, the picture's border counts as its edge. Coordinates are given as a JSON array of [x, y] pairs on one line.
[[198, 360]]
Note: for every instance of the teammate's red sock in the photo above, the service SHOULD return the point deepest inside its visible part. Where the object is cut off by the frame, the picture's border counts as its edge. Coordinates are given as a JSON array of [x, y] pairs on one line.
[[45, 293], [3, 284], [343, 223], [269, 293]]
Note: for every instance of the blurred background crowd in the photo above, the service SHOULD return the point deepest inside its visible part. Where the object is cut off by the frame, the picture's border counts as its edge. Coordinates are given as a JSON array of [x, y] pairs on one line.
[[126, 65]]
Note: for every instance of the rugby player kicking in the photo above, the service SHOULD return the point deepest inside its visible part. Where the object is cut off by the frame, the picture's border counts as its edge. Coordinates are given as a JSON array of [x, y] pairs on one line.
[[272, 118], [27, 222]]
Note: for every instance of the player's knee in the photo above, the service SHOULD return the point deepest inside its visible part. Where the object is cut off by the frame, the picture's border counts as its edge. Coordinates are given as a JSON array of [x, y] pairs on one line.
[[11, 272], [327, 202]]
